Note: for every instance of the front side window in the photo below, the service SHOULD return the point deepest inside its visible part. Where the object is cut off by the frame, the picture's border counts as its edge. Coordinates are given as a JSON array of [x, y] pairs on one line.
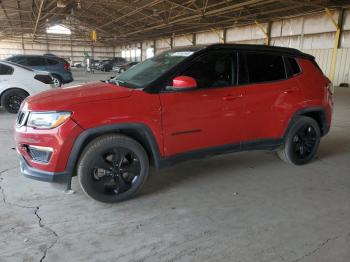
[[265, 67], [151, 69], [5, 70], [213, 70]]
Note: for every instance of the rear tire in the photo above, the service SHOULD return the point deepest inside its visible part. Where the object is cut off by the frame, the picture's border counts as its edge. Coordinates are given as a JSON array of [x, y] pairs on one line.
[[302, 142], [113, 168], [11, 100], [57, 81]]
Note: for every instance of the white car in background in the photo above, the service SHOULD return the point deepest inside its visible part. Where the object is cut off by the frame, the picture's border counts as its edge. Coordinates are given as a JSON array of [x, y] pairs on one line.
[[17, 82]]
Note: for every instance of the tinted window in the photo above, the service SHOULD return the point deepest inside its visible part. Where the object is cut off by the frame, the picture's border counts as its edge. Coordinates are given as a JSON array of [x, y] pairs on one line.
[[294, 66], [151, 69], [214, 70], [18, 59], [21, 66], [265, 67], [243, 77], [36, 61], [52, 62], [5, 70]]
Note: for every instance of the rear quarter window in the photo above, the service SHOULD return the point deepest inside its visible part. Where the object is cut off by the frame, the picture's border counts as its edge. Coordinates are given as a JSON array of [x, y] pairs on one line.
[[294, 66], [265, 67], [5, 70]]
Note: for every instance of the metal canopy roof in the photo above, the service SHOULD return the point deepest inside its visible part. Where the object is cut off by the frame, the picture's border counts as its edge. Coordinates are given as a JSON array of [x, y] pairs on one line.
[[125, 21]]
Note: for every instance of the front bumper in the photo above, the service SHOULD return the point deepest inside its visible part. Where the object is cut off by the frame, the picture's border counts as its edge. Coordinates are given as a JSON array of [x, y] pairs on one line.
[[34, 173]]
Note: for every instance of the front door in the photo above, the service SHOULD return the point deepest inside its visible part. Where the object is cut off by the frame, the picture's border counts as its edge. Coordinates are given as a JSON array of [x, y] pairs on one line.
[[208, 116]]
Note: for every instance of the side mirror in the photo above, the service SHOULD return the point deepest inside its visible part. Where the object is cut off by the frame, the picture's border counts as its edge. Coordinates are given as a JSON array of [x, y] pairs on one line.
[[183, 83]]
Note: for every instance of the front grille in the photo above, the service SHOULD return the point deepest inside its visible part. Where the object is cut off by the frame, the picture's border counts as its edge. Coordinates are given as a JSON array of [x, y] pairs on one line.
[[39, 155]]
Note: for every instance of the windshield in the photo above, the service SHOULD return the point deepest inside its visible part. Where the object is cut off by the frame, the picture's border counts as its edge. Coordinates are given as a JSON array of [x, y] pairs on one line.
[[146, 72]]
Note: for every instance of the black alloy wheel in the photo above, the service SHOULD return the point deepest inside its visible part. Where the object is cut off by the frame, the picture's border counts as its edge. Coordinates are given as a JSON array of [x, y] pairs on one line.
[[113, 168], [12, 99], [115, 171], [301, 142], [14, 102], [304, 141]]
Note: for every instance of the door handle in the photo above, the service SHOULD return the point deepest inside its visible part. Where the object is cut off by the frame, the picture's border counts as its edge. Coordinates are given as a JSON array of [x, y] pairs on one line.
[[290, 90], [232, 97]]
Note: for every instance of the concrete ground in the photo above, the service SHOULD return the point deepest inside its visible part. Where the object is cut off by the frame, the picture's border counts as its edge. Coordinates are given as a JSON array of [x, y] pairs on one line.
[[246, 207]]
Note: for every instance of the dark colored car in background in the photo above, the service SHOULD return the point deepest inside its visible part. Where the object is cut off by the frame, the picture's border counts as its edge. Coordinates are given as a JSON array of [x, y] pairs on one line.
[[122, 68], [57, 66], [109, 64]]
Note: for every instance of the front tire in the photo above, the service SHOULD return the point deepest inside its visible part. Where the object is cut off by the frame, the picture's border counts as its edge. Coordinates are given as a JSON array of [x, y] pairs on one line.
[[301, 142], [11, 100], [113, 168]]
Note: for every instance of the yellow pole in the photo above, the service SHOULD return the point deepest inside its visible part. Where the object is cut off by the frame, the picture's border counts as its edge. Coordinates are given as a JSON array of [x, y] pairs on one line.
[[221, 39], [267, 39], [336, 45]]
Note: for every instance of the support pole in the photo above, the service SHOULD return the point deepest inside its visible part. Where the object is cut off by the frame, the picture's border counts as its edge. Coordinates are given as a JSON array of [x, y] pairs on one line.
[[338, 25], [224, 35], [154, 47], [37, 19], [267, 32], [218, 32], [141, 51]]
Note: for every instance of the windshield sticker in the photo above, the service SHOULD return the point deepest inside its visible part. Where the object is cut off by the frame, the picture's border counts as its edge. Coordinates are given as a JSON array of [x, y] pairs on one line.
[[184, 53]]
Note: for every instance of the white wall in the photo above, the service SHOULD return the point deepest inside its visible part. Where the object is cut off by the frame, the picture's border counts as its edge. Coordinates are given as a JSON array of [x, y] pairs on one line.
[[61, 48], [313, 34]]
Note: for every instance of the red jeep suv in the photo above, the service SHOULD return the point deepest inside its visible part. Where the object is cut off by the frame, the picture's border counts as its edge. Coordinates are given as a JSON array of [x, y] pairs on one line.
[[181, 104]]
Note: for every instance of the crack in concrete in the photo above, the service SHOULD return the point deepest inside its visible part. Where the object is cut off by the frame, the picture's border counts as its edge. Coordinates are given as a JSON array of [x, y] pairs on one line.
[[318, 248], [36, 210], [53, 232]]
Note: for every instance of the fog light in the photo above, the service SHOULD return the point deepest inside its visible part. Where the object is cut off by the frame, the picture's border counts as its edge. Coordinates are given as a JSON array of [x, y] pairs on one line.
[[40, 154]]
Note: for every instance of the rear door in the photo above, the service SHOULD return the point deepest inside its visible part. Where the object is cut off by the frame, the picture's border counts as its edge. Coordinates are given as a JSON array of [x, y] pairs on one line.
[[271, 95], [209, 115]]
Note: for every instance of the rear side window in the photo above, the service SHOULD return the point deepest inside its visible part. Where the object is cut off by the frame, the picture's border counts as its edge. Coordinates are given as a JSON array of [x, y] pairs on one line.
[[52, 62], [5, 70], [294, 66], [36, 61], [265, 67]]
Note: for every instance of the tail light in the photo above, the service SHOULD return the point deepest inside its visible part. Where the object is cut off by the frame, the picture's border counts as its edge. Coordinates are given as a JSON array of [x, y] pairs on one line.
[[66, 67], [330, 88]]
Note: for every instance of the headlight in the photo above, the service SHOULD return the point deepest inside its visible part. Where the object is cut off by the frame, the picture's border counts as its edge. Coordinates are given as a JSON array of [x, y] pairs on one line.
[[44, 120]]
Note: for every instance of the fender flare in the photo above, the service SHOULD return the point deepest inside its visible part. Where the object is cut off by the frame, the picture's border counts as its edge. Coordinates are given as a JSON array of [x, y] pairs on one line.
[[324, 128], [144, 134]]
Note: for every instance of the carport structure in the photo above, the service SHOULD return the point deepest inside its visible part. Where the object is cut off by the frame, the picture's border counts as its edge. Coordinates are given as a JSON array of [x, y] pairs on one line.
[[246, 206], [122, 21]]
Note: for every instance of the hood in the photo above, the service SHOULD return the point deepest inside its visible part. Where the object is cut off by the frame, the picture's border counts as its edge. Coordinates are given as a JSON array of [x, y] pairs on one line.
[[61, 98]]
